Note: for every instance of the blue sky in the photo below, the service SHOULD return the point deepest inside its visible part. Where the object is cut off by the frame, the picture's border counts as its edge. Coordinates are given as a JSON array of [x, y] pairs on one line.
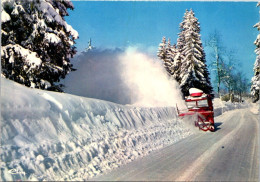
[[112, 24]]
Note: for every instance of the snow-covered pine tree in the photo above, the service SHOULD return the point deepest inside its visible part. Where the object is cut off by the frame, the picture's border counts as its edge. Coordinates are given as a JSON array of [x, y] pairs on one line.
[[176, 62], [255, 82], [90, 46], [161, 53], [168, 57], [164, 54], [178, 50], [181, 36], [37, 43], [194, 71]]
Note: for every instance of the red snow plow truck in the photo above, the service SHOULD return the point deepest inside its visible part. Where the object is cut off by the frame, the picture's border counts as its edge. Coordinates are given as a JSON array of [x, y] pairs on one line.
[[200, 105]]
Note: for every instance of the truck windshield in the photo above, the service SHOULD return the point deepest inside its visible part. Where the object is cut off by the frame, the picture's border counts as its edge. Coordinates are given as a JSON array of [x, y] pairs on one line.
[[191, 104], [202, 103]]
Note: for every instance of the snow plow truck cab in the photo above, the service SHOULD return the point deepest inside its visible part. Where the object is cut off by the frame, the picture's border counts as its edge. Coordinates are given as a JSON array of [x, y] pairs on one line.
[[200, 104]]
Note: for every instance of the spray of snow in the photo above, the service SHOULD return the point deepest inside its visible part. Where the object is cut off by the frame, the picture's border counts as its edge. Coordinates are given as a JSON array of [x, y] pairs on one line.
[[147, 80], [124, 77]]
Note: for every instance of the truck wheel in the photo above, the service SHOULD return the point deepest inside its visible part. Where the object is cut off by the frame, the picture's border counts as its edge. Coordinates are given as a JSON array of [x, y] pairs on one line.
[[202, 125]]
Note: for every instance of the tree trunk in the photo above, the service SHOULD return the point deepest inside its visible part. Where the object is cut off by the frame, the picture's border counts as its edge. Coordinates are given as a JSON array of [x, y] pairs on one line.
[[218, 70]]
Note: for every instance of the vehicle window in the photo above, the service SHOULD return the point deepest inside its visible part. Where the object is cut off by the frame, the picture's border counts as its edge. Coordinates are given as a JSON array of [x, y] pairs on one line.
[[203, 103], [191, 104]]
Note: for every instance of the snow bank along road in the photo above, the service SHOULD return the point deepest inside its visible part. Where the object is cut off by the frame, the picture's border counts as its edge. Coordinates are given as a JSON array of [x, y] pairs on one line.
[[57, 136], [229, 154]]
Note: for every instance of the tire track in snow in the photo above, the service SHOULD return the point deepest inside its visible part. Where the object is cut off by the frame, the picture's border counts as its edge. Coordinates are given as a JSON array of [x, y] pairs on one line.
[[254, 150], [199, 165], [225, 155]]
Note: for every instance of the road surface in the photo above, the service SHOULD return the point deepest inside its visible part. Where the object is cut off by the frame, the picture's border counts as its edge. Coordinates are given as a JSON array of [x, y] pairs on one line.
[[228, 154]]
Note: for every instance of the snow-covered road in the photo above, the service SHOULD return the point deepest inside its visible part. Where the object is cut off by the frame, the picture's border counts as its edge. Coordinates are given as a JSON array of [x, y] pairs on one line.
[[229, 154]]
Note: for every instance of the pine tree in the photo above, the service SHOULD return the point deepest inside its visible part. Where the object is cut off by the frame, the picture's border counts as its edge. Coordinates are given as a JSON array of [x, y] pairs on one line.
[[194, 71], [162, 49], [179, 53], [170, 55], [90, 46], [37, 43], [176, 63], [255, 82], [168, 61], [164, 54], [181, 36]]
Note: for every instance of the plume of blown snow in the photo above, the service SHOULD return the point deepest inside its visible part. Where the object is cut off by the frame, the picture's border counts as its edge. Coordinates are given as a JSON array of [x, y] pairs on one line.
[[147, 80], [124, 77]]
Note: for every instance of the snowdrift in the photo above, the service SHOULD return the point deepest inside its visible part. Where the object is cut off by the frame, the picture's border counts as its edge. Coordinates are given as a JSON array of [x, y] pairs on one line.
[[58, 136], [221, 106]]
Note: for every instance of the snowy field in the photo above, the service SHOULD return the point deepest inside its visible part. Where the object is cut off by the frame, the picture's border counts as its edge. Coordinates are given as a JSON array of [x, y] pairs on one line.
[[57, 136]]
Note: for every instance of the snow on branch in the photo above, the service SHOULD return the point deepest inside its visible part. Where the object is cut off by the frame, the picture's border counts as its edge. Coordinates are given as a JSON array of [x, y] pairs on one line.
[[51, 37], [5, 16], [52, 15], [31, 58]]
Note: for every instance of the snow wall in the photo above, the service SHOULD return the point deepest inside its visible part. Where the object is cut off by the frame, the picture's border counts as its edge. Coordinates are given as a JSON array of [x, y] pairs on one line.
[[221, 107], [57, 136], [124, 77]]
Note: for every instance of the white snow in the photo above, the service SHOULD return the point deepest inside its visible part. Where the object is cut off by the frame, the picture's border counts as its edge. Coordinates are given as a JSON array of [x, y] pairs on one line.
[[124, 77], [17, 9], [255, 108], [52, 15], [4, 16], [57, 136], [30, 57], [221, 106], [53, 100], [51, 37], [195, 90], [148, 83]]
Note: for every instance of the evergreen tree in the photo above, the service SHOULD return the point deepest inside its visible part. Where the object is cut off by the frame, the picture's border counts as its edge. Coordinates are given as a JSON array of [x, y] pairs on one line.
[[171, 55], [255, 82], [162, 49], [177, 64], [170, 58], [174, 56], [168, 61], [181, 36], [193, 70], [90, 46], [164, 54], [37, 43]]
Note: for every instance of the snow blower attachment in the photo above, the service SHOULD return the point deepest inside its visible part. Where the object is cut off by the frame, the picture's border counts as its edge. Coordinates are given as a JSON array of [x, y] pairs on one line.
[[199, 104]]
